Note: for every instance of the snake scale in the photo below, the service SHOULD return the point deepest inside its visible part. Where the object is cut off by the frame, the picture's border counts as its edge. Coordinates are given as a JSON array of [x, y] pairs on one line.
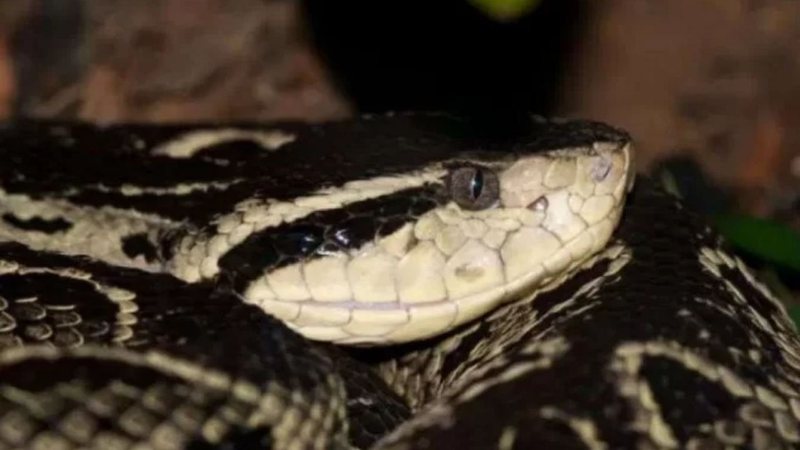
[[401, 281]]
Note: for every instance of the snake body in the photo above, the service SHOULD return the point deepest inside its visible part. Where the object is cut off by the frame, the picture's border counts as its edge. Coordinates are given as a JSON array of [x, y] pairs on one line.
[[183, 286]]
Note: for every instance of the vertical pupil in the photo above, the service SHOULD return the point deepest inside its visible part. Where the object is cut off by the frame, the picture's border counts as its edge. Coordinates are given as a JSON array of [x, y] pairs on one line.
[[476, 184]]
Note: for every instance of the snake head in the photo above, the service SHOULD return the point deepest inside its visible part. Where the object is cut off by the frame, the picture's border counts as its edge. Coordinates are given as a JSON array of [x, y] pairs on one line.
[[432, 231]]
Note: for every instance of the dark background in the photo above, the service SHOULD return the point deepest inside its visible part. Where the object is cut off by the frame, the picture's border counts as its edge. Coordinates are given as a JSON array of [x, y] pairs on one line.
[[418, 54]]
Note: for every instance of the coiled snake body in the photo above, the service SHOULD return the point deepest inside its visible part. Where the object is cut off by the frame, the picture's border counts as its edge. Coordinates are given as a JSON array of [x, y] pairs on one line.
[[395, 282]]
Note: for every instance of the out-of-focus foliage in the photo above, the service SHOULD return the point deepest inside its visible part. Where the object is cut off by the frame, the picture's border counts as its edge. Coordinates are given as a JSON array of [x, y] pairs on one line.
[[774, 243], [505, 10]]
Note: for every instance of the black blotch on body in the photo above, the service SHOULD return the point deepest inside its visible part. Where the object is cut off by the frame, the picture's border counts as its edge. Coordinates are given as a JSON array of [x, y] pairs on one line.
[[49, 226], [322, 233], [139, 245], [687, 400], [237, 151], [238, 438]]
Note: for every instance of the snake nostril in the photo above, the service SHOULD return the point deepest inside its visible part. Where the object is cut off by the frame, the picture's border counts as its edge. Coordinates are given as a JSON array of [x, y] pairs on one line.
[[540, 204], [600, 169]]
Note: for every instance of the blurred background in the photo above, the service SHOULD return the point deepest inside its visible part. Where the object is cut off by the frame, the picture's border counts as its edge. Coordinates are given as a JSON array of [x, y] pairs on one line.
[[710, 89]]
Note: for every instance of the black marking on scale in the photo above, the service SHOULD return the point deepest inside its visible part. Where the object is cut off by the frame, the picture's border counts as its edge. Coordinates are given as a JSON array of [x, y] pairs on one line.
[[54, 158], [237, 437], [687, 399], [326, 232], [139, 245], [49, 226]]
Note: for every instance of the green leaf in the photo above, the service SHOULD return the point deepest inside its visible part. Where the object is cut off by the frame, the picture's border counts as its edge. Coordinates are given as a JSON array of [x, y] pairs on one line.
[[769, 241], [505, 10]]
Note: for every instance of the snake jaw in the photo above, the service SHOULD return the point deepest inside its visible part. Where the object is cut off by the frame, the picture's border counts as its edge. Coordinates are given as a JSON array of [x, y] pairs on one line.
[[452, 265]]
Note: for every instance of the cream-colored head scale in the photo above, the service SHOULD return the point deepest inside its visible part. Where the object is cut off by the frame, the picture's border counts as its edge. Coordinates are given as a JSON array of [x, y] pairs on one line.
[[509, 226]]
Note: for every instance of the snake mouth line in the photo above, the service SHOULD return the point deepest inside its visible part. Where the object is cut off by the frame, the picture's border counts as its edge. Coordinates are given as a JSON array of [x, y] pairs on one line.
[[451, 312], [498, 291]]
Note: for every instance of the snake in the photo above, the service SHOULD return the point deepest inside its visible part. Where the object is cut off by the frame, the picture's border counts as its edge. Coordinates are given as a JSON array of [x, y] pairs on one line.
[[393, 281]]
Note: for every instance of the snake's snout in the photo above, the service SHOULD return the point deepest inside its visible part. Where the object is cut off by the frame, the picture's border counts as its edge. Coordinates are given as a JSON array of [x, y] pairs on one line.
[[600, 168]]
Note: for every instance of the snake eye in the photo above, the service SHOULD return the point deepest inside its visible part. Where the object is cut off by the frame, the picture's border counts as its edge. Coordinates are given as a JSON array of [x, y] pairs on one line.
[[474, 188]]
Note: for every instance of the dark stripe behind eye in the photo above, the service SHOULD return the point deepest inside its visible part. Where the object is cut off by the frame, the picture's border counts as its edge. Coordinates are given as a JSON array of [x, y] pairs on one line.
[[325, 232]]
